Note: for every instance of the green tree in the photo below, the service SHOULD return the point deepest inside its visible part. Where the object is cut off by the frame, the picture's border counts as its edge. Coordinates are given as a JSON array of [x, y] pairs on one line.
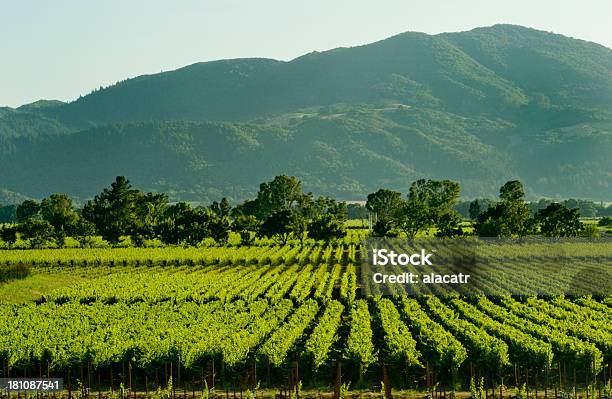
[[181, 224], [113, 211], [438, 195], [247, 226], [222, 208], [278, 226], [557, 220], [282, 193], [384, 228], [508, 218], [148, 210], [298, 225], [413, 217], [449, 225], [28, 209], [512, 191], [8, 234], [541, 204], [247, 208], [84, 232], [39, 233], [475, 209], [385, 205], [58, 210], [429, 203], [326, 227], [218, 228]]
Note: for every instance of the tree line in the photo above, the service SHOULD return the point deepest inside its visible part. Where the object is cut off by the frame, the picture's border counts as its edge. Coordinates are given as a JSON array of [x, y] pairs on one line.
[[281, 211], [431, 204]]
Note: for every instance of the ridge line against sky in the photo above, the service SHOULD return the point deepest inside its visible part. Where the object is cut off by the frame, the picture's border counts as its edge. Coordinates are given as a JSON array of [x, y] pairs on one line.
[[67, 48]]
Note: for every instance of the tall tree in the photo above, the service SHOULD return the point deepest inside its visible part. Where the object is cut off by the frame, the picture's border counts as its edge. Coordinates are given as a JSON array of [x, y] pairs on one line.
[[278, 226], [508, 218], [413, 217], [282, 193], [113, 210], [148, 211], [181, 224], [439, 195], [475, 209], [58, 210], [383, 202], [247, 226], [222, 208], [28, 209], [512, 191], [83, 232]]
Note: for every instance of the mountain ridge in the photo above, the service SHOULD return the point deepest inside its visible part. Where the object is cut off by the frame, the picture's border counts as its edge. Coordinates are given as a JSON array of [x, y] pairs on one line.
[[477, 106]]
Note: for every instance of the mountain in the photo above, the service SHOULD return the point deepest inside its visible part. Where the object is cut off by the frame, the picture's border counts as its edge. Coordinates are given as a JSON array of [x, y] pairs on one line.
[[10, 198], [480, 107]]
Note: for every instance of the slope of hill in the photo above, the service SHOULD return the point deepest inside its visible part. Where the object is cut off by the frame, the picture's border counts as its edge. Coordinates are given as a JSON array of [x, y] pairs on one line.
[[479, 107], [10, 198]]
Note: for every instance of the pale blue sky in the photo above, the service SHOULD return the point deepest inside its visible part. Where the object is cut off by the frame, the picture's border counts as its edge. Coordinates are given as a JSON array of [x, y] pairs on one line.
[[60, 49]]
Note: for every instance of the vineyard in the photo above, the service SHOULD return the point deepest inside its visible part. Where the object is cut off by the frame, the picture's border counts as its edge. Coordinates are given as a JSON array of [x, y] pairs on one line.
[[287, 317]]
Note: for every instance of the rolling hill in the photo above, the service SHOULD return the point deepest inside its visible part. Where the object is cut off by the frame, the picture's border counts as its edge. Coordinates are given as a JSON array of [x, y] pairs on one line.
[[479, 107]]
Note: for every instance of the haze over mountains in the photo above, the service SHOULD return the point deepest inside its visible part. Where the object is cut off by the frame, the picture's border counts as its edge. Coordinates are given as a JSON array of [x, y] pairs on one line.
[[479, 107]]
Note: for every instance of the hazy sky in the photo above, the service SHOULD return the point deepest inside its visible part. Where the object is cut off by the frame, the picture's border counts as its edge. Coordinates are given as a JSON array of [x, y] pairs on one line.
[[61, 49]]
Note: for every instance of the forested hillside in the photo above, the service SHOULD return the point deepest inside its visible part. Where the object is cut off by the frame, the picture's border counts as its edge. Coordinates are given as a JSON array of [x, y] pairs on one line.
[[479, 107]]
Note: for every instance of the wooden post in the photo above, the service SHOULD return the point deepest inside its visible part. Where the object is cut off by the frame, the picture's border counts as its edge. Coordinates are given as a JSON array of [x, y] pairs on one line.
[[574, 382], [546, 383], [516, 382], [173, 393], [130, 375], [387, 382], [338, 380]]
